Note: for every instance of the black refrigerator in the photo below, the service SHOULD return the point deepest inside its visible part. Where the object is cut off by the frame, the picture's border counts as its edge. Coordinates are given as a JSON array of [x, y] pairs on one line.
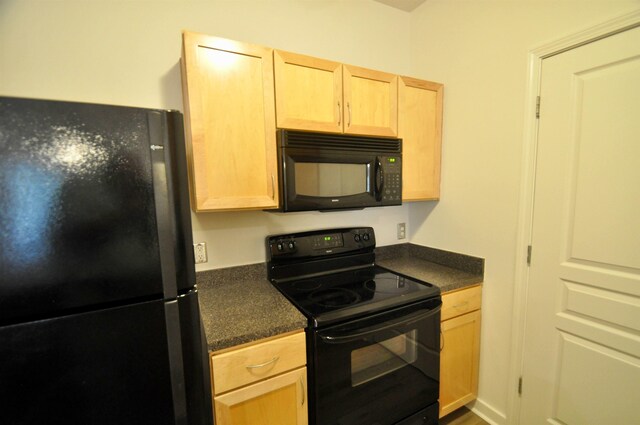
[[99, 316]]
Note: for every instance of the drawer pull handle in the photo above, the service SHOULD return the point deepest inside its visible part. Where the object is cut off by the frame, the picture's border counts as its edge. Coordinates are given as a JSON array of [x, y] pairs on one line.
[[462, 304], [257, 366], [273, 187]]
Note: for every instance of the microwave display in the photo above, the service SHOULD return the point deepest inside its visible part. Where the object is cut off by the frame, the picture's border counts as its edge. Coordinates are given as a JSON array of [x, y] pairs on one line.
[[330, 179]]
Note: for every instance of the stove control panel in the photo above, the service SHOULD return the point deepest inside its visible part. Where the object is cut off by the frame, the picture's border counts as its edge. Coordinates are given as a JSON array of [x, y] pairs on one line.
[[320, 243]]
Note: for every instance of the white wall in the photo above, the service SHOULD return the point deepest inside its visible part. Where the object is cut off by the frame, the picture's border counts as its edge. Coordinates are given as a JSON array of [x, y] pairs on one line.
[[478, 49], [127, 53]]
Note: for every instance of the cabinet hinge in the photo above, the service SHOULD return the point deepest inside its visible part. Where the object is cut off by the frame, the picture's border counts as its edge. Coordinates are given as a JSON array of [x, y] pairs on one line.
[[538, 107], [520, 386], [529, 255]]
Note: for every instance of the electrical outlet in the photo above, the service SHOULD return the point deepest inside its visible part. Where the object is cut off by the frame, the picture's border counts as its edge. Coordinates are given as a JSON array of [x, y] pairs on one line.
[[200, 252], [402, 231]]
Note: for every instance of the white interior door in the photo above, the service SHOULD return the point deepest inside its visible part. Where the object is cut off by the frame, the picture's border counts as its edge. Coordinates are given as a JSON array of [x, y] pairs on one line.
[[582, 333]]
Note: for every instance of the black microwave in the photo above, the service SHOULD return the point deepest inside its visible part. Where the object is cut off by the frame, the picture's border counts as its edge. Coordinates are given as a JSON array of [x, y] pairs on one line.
[[324, 171]]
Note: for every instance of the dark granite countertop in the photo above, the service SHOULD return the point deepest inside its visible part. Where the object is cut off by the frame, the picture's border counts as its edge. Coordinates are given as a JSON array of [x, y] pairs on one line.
[[239, 305], [447, 270]]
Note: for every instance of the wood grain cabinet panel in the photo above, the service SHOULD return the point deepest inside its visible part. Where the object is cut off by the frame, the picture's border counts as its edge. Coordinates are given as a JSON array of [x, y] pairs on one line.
[[228, 92], [420, 128], [261, 383], [308, 92], [371, 102], [460, 302], [320, 95], [460, 354], [281, 400], [256, 362]]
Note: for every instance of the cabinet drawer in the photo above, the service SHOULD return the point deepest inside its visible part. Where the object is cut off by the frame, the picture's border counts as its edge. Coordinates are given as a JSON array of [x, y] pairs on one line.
[[460, 302], [256, 362]]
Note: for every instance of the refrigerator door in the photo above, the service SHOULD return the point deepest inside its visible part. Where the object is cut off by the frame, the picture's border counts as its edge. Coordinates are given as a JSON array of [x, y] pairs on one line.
[[102, 368], [79, 219]]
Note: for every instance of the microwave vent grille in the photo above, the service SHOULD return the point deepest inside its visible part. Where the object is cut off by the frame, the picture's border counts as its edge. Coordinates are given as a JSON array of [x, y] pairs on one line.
[[298, 139]]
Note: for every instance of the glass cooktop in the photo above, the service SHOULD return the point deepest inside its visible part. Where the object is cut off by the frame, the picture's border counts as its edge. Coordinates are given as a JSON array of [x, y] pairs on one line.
[[339, 296]]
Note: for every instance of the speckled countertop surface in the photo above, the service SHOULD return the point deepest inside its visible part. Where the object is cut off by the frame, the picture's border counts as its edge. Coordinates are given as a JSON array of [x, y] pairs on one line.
[[239, 305], [447, 270]]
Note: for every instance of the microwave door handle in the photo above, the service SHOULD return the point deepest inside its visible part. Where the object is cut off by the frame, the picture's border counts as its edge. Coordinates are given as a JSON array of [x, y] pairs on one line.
[[407, 320], [379, 180]]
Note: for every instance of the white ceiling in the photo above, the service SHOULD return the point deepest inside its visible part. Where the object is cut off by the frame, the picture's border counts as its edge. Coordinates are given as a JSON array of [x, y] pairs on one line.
[[406, 5]]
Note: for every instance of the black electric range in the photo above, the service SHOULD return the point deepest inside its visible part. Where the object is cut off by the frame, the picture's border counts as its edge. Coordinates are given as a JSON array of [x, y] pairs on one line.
[[331, 276], [373, 335]]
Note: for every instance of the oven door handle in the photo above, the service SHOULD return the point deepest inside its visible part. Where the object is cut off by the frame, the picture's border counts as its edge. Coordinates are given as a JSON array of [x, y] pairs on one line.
[[406, 320]]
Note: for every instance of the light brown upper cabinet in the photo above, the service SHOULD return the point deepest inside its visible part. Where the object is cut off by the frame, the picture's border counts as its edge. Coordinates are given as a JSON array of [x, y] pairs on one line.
[[228, 94], [308, 92], [320, 95], [420, 128]]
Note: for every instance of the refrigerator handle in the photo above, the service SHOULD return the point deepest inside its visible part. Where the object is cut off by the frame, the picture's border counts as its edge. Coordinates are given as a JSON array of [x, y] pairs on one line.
[[176, 362], [162, 194]]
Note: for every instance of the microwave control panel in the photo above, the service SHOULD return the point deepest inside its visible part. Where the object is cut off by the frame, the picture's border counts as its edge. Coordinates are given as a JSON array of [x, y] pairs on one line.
[[392, 185]]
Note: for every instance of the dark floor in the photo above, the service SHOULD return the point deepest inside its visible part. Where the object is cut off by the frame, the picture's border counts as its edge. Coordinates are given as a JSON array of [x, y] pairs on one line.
[[463, 416]]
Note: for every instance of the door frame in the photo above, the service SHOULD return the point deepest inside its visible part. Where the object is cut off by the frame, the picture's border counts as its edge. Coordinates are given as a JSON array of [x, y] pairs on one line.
[[527, 186]]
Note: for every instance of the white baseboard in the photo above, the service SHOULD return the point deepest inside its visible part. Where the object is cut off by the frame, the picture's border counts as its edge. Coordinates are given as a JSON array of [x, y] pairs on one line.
[[487, 412]]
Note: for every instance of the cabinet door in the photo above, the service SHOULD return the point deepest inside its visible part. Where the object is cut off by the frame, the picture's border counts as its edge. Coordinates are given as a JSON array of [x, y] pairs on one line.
[[281, 400], [420, 127], [459, 360], [230, 121], [371, 102], [308, 93]]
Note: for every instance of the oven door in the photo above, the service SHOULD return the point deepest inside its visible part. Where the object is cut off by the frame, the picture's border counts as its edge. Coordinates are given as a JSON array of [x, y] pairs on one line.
[[377, 370]]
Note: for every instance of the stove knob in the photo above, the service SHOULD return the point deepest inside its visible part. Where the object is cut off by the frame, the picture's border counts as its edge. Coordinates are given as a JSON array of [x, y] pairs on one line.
[[291, 245], [365, 236], [280, 246], [356, 238]]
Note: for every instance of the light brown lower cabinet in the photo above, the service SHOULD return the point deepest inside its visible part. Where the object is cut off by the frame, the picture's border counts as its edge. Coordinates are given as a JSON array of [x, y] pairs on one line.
[[261, 383], [460, 354], [277, 401]]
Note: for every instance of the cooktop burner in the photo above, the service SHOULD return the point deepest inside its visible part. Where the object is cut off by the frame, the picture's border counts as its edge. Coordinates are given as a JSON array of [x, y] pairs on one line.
[[336, 296], [305, 285], [389, 285]]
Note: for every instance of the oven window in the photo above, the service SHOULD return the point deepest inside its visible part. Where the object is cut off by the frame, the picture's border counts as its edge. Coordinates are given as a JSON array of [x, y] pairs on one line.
[[381, 358], [330, 179]]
